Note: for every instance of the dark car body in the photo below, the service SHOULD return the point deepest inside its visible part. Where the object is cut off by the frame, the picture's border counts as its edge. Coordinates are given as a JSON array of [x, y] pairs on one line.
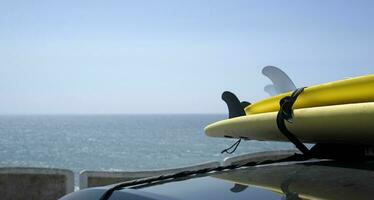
[[318, 179]]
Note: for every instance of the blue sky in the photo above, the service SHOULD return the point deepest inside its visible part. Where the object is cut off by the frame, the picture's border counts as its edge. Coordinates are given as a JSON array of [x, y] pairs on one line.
[[171, 56]]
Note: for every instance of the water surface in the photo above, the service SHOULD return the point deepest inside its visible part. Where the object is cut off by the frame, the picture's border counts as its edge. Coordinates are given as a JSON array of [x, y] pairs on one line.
[[114, 142]]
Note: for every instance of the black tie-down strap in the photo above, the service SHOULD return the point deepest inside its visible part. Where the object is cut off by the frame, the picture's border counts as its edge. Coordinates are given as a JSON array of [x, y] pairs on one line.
[[286, 113], [233, 147]]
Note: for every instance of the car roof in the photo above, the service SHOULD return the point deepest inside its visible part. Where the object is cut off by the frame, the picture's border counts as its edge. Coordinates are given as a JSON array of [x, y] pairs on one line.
[[316, 179], [310, 180]]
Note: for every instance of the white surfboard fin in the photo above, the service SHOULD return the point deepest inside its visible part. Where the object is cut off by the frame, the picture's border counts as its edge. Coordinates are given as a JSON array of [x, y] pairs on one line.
[[281, 81], [270, 90]]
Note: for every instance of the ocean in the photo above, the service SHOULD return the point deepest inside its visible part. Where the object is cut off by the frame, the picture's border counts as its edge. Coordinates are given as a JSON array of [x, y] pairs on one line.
[[114, 142]]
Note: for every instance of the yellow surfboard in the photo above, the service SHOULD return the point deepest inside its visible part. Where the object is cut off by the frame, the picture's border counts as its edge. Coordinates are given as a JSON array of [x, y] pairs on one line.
[[352, 90], [346, 123]]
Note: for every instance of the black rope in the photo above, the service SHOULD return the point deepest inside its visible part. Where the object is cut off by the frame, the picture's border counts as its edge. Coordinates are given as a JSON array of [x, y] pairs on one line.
[[235, 145], [286, 113], [193, 173]]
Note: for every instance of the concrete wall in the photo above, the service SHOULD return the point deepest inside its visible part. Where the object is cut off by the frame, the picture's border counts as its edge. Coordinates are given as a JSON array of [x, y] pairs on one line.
[[18, 183], [100, 178]]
